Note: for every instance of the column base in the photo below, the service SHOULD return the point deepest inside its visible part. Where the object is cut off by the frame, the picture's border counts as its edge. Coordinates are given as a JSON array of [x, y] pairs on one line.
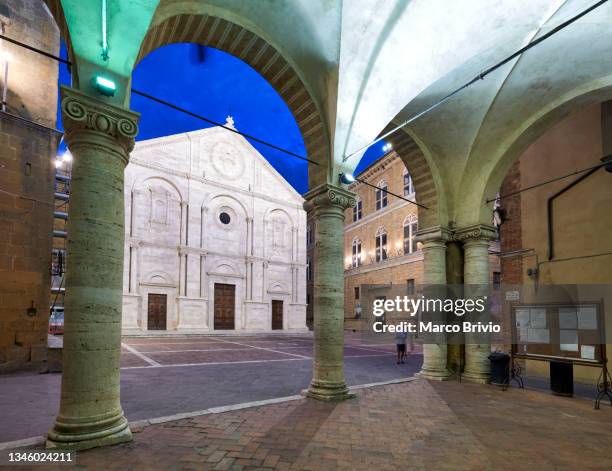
[[478, 378], [82, 436], [329, 392], [435, 375]]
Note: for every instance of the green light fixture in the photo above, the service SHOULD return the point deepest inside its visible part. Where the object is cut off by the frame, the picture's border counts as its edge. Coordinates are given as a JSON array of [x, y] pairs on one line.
[[104, 85]]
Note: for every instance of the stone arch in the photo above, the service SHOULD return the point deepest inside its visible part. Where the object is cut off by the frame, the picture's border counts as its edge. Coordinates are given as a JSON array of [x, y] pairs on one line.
[[533, 127], [267, 59], [140, 182], [57, 12], [226, 267], [270, 213], [415, 161], [278, 240], [159, 278], [209, 202]]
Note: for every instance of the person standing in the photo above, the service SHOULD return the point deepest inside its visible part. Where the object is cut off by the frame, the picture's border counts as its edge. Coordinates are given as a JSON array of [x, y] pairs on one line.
[[400, 343]]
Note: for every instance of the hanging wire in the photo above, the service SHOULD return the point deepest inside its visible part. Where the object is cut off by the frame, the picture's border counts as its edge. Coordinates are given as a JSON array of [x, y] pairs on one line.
[[170, 105]]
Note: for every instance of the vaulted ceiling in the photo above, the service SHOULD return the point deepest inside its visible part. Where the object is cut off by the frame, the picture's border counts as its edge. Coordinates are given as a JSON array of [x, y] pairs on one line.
[[362, 64]]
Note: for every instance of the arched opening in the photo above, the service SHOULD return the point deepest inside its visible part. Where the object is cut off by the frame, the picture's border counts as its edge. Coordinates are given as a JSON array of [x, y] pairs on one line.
[[263, 57]]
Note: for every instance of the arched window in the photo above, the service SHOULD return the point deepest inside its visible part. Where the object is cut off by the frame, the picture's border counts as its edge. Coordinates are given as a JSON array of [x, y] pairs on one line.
[[381, 195], [356, 253], [411, 227], [357, 209], [408, 185], [381, 244]]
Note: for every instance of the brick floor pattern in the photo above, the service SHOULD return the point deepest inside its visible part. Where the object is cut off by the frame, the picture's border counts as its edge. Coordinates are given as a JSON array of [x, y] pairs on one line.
[[418, 425]]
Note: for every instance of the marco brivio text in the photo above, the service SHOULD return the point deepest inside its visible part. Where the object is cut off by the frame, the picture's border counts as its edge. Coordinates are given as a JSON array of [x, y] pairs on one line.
[[411, 306]]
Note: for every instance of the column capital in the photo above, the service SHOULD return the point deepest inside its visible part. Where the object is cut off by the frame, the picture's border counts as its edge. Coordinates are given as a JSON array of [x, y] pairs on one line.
[[329, 196], [435, 235], [81, 112], [477, 233]]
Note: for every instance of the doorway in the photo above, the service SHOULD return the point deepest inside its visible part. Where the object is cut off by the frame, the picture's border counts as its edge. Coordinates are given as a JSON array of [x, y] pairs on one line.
[[277, 314], [157, 310], [225, 302]]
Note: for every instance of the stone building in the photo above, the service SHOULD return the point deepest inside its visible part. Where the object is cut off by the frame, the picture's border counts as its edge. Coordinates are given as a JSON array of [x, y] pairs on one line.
[[344, 78], [214, 238], [379, 234], [28, 141], [380, 244], [579, 249]]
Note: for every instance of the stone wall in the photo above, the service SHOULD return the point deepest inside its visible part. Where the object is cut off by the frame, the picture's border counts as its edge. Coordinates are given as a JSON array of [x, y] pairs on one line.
[[398, 268], [27, 145], [581, 225]]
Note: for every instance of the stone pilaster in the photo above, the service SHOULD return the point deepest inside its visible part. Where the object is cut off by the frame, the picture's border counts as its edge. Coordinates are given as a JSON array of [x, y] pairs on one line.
[[476, 278], [327, 204], [434, 241], [100, 137]]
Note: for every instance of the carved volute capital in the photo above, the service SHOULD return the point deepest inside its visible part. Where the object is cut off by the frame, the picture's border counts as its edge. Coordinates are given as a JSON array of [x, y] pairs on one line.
[[104, 124], [478, 233], [434, 236], [329, 197]]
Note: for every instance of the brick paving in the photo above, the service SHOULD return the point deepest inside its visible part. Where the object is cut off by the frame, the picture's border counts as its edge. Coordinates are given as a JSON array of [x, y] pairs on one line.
[[416, 425], [171, 375]]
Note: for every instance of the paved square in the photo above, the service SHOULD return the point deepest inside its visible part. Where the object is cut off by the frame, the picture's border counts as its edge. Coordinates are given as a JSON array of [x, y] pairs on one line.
[[172, 375], [417, 425]]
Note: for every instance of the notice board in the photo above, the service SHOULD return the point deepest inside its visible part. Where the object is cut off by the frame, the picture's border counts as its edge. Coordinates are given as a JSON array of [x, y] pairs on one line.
[[559, 332]]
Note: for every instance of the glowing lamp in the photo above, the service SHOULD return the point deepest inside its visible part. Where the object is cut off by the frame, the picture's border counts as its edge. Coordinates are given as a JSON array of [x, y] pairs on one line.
[[104, 85], [347, 178]]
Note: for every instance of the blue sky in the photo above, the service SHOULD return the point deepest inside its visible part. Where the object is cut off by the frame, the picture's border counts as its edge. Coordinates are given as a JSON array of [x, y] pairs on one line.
[[215, 87]]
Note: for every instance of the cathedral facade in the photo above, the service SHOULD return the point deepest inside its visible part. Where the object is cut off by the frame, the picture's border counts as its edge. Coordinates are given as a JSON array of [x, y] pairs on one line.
[[215, 238]]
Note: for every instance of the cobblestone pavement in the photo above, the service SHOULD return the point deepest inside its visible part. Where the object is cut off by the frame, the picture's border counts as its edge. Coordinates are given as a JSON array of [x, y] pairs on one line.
[[415, 425]]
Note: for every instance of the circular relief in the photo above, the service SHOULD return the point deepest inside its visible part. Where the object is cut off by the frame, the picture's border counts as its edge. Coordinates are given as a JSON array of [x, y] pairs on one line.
[[224, 218], [227, 161]]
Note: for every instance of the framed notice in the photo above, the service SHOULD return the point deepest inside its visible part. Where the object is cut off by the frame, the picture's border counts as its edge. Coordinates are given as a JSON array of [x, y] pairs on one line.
[[559, 332]]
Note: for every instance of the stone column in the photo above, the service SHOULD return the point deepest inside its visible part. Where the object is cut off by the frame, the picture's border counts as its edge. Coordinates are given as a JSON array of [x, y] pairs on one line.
[[434, 280], [327, 204], [454, 278], [476, 278], [100, 137]]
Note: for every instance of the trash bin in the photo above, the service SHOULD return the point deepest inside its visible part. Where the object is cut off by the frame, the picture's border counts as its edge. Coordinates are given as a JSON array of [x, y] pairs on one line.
[[500, 368], [562, 378]]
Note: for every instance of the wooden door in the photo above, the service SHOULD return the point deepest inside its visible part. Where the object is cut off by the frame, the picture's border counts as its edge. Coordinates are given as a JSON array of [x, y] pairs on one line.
[[225, 306], [277, 315], [157, 312]]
